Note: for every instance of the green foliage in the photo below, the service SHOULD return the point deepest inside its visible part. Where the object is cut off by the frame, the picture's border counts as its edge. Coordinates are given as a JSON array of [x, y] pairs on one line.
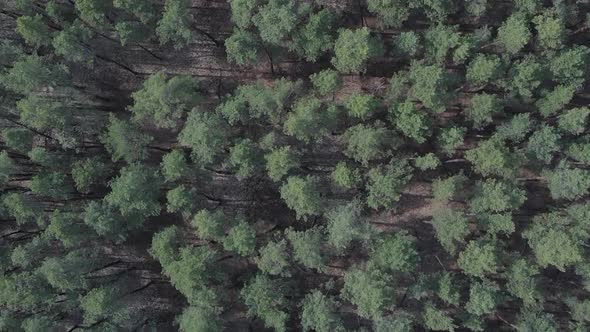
[[408, 43], [165, 245], [496, 196], [125, 141], [93, 11], [307, 247], [543, 144], [483, 107], [18, 139], [448, 189], [310, 119], [274, 258], [476, 8], [244, 157], [439, 40], [569, 66], [437, 320], [411, 121], [365, 143], [42, 113], [101, 304], [266, 298], [39, 324], [483, 298], [164, 100], [23, 208], [430, 85], [181, 199], [209, 225], [199, 319], [25, 291], [479, 259], [514, 34], [354, 48], [131, 31], [191, 274], [392, 13], [135, 191], [174, 26], [530, 321], [7, 167], [574, 121], [174, 165], [386, 184], [316, 37], [88, 172], [555, 100], [551, 31], [567, 183], [67, 228], [451, 138], [451, 227], [396, 252], [516, 129], [67, 273], [361, 105], [526, 75], [326, 81], [27, 255], [108, 222], [276, 20], [71, 44], [206, 134], [241, 47], [447, 288], [579, 152], [301, 194], [497, 223], [370, 290], [319, 313], [346, 176], [32, 73], [522, 281], [492, 157], [346, 225], [33, 30], [394, 324], [241, 239], [242, 12], [280, 161], [549, 235], [427, 161], [484, 69], [51, 184]]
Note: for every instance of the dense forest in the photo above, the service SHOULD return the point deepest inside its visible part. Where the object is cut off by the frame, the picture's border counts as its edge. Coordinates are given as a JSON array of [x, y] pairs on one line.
[[294, 165]]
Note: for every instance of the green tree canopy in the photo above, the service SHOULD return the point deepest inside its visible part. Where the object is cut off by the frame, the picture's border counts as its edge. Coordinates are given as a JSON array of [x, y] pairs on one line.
[[206, 134], [266, 298], [386, 184], [165, 99], [125, 141], [135, 191], [370, 290], [346, 224], [174, 27], [354, 48], [319, 313], [365, 143], [241, 238], [301, 194]]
